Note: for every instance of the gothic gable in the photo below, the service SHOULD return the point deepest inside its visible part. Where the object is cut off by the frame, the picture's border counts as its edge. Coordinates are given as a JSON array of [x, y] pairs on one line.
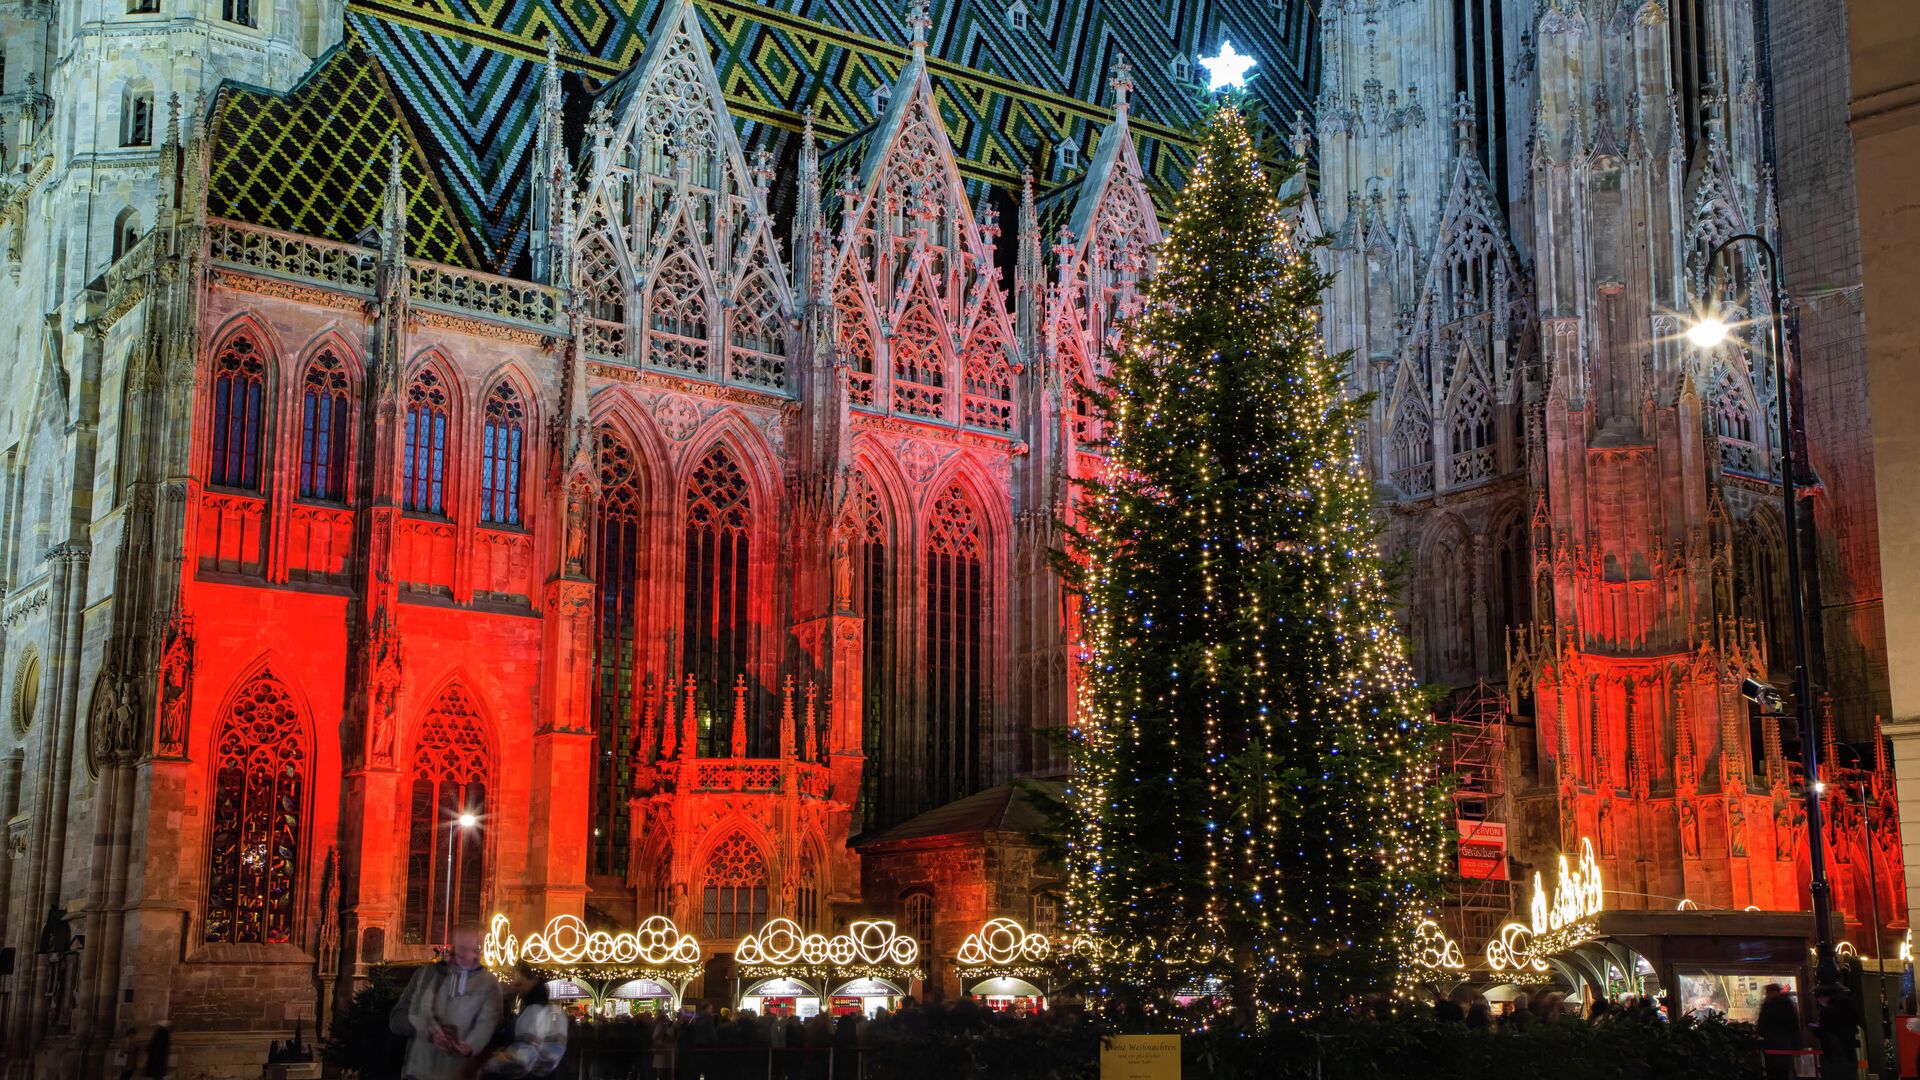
[[671, 212]]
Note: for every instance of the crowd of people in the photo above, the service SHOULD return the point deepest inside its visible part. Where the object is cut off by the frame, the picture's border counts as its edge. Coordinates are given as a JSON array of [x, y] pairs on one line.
[[461, 1022]]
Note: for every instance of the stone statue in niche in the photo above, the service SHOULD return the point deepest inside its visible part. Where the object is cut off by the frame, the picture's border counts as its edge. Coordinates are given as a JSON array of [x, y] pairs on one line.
[[1689, 829], [1736, 829], [383, 692], [842, 572], [176, 690]]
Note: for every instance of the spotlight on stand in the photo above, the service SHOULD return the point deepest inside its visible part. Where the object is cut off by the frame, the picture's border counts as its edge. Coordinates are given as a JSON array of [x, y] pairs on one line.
[[1762, 695]]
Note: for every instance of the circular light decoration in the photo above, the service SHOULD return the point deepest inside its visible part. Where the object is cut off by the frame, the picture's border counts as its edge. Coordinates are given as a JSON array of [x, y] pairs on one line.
[[1002, 942], [566, 941], [782, 943], [1434, 950]]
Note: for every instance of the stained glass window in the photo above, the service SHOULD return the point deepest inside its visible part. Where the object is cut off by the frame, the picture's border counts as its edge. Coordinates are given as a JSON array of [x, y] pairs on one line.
[[323, 429], [616, 561], [500, 448], [955, 673], [451, 770], [260, 758], [736, 889], [719, 618], [424, 470], [239, 395]]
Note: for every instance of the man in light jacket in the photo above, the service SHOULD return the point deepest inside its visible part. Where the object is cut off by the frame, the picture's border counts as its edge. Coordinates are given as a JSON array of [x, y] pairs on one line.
[[448, 1012]]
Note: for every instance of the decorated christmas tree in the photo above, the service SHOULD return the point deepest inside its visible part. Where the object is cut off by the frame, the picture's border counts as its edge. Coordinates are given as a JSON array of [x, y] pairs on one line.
[[1252, 805]]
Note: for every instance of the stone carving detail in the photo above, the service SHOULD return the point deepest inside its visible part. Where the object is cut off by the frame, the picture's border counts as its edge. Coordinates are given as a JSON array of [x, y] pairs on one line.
[[175, 705], [383, 689], [677, 416], [111, 728], [918, 461]]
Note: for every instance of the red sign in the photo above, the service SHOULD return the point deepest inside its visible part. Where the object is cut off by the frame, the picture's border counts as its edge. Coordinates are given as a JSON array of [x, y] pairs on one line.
[[1483, 850]]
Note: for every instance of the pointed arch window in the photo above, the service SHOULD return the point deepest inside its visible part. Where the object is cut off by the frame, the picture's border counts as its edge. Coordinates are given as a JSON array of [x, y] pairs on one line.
[[239, 414], [854, 346], [806, 896], [261, 759], [734, 900], [424, 468], [1472, 436], [759, 349], [323, 429], [604, 288], [1733, 425], [616, 565], [873, 601], [919, 364], [446, 861], [1413, 448], [719, 618], [501, 443], [988, 382], [955, 682], [918, 919], [678, 318]]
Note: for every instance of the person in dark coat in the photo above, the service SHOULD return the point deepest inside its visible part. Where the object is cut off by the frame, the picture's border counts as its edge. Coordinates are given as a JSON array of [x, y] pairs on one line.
[[1779, 1027], [160, 1050], [1838, 1023]]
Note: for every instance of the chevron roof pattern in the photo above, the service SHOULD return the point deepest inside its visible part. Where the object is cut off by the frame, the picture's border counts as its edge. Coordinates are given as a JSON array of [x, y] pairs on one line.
[[467, 75]]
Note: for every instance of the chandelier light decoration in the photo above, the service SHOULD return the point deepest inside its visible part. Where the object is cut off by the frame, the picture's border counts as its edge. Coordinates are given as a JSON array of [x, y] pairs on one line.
[[1557, 924]]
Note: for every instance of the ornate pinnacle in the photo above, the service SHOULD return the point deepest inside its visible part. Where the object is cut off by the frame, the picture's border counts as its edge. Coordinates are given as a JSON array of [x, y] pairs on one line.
[[1122, 83], [919, 21], [173, 119], [1302, 134], [1463, 135]]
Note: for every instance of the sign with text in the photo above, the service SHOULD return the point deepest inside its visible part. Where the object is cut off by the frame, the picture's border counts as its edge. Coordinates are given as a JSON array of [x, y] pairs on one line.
[[1141, 1057], [1483, 850]]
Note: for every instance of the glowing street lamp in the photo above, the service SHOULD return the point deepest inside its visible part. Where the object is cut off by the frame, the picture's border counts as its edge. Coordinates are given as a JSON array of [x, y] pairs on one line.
[[456, 835], [1705, 333], [1708, 332]]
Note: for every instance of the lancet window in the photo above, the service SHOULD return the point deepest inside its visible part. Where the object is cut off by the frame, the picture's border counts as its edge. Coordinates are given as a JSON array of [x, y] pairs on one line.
[[919, 364], [452, 767], [954, 634], [918, 918], [757, 341], [261, 758], [806, 897], [616, 564], [719, 618], [239, 414], [605, 291], [678, 321], [873, 600], [855, 348], [1473, 434], [323, 429], [424, 465], [1413, 449], [502, 441], [988, 382], [1733, 425], [734, 903]]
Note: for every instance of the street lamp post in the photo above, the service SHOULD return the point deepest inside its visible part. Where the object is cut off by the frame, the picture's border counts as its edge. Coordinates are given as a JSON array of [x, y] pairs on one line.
[[1707, 333], [456, 832]]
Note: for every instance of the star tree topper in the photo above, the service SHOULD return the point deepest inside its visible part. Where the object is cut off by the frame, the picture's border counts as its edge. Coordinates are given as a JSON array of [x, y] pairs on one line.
[[1226, 69]]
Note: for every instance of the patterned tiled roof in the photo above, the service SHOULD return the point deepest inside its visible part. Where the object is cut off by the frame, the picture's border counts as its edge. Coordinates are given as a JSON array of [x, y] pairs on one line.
[[314, 161], [467, 75]]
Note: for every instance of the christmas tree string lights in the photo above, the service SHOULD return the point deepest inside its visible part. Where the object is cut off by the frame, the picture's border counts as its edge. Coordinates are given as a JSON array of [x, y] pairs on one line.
[[1252, 798]]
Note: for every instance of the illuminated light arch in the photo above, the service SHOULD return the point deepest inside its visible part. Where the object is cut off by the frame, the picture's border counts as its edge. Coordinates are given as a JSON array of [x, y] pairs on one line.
[[783, 943], [1434, 950], [1002, 942], [1557, 923], [566, 941]]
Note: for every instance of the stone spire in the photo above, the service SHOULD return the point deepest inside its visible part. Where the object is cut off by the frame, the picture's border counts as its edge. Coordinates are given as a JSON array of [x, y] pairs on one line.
[[919, 21], [393, 212], [1122, 84], [547, 241]]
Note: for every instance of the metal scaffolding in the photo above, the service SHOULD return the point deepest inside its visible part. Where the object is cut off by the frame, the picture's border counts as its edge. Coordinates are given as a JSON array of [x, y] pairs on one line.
[[1474, 758]]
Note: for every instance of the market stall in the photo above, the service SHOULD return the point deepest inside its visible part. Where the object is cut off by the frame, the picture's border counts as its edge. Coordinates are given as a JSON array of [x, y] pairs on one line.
[[869, 967], [642, 971], [1005, 967]]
